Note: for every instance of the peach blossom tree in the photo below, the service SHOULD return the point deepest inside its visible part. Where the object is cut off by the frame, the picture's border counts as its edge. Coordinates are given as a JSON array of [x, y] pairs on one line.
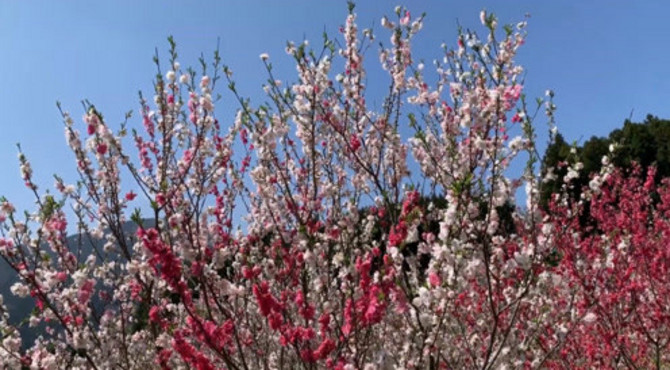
[[312, 231], [615, 271]]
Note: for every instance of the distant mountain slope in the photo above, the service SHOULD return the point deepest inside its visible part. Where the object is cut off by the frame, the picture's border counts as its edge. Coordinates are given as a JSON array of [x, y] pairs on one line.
[[20, 309]]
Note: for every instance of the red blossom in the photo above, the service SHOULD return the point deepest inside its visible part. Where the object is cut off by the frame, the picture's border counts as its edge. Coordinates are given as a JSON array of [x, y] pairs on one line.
[[130, 195], [102, 148]]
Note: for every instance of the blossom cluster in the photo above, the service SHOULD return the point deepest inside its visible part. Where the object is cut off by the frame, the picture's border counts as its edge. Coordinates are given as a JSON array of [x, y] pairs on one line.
[[296, 235]]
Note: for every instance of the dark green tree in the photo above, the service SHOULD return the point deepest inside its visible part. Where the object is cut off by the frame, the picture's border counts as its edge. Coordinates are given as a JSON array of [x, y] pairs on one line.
[[646, 143]]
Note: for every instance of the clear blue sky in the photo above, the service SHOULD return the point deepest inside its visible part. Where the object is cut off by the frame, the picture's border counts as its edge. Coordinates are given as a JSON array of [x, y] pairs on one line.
[[603, 59]]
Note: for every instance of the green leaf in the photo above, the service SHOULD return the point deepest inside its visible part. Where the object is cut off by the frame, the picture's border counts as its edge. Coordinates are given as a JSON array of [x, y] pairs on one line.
[[412, 120]]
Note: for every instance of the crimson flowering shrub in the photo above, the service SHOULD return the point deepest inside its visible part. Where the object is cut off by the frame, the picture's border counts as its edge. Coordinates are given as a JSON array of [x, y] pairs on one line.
[[295, 235], [616, 271]]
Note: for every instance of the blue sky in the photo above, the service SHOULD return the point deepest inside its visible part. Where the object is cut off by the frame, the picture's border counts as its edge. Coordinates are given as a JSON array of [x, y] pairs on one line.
[[602, 60]]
